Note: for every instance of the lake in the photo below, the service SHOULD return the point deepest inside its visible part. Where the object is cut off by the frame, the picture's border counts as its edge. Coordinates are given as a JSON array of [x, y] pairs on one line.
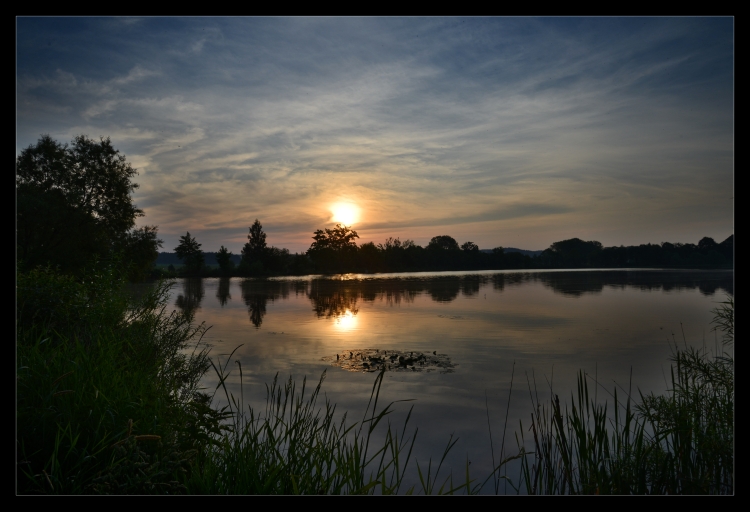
[[450, 341]]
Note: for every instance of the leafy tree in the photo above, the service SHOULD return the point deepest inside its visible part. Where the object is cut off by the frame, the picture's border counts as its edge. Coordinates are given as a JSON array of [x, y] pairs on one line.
[[334, 249], [277, 260], [391, 244], [224, 258], [574, 253], [340, 238], [74, 204], [470, 247], [189, 251], [707, 243], [443, 242], [370, 257], [141, 246]]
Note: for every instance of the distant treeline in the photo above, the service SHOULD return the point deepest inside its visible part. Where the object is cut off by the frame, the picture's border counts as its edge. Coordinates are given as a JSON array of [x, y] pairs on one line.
[[335, 251], [513, 249], [171, 258]]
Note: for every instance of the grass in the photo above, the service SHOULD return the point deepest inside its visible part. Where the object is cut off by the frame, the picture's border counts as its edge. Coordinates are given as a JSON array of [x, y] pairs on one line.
[[681, 442], [104, 387], [296, 446]]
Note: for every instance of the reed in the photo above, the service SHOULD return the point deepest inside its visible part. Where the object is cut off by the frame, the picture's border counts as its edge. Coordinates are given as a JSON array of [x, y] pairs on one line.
[[681, 442], [295, 446]]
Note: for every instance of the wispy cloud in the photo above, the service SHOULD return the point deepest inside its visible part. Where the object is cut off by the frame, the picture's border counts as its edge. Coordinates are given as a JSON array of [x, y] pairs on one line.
[[521, 128]]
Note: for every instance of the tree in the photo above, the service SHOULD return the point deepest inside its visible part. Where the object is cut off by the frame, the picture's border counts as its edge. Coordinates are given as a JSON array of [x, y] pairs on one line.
[[470, 247], [256, 244], [727, 248], [74, 204], [224, 258], [340, 238], [574, 253], [276, 260], [189, 251], [255, 249], [141, 246], [334, 249], [443, 242], [707, 243], [390, 244]]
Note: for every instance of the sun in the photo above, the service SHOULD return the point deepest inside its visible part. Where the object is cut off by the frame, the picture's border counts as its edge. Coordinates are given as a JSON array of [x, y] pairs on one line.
[[345, 213]]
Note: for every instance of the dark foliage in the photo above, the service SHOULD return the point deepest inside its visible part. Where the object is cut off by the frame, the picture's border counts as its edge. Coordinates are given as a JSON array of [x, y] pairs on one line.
[[224, 259], [74, 206], [443, 242], [189, 250], [254, 251], [334, 248]]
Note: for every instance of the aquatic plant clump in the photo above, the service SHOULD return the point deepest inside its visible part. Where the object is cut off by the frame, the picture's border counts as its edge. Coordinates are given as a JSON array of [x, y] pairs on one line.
[[375, 360]]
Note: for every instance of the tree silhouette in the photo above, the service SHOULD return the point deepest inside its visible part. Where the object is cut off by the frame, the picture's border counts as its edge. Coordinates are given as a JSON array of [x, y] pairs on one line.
[[74, 204], [340, 238], [254, 250], [141, 247], [334, 249], [256, 240], [224, 259], [443, 242], [189, 251], [574, 253]]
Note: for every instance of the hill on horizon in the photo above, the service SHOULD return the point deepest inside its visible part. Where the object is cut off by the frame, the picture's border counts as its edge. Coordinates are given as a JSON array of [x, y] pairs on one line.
[[525, 252]]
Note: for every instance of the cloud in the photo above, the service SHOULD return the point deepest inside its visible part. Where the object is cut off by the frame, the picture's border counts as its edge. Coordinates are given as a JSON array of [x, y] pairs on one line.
[[479, 123]]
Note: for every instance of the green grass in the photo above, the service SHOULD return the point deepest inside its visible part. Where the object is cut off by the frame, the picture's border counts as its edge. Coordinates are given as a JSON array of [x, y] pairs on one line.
[[104, 387]]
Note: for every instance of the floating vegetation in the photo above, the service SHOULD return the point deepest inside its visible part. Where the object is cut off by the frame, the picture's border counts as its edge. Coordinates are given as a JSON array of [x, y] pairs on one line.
[[374, 360]]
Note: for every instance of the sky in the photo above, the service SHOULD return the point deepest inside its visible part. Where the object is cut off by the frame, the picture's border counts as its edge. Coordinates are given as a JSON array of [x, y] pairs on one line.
[[514, 132]]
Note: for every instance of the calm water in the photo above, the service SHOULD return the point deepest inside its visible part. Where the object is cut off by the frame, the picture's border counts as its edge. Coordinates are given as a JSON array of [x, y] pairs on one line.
[[550, 324]]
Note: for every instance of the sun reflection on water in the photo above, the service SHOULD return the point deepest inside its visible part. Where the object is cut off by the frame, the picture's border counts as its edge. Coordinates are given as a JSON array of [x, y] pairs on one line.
[[346, 322]]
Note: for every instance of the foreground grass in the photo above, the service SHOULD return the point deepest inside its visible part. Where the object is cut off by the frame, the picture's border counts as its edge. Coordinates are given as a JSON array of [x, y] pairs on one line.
[[294, 446], [106, 396], [681, 442]]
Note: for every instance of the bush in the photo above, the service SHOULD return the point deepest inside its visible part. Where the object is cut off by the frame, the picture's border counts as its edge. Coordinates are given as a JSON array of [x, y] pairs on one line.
[[105, 388]]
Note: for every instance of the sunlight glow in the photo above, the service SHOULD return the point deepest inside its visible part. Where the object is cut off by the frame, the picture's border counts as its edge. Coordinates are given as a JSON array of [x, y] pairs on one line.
[[345, 213], [346, 322]]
